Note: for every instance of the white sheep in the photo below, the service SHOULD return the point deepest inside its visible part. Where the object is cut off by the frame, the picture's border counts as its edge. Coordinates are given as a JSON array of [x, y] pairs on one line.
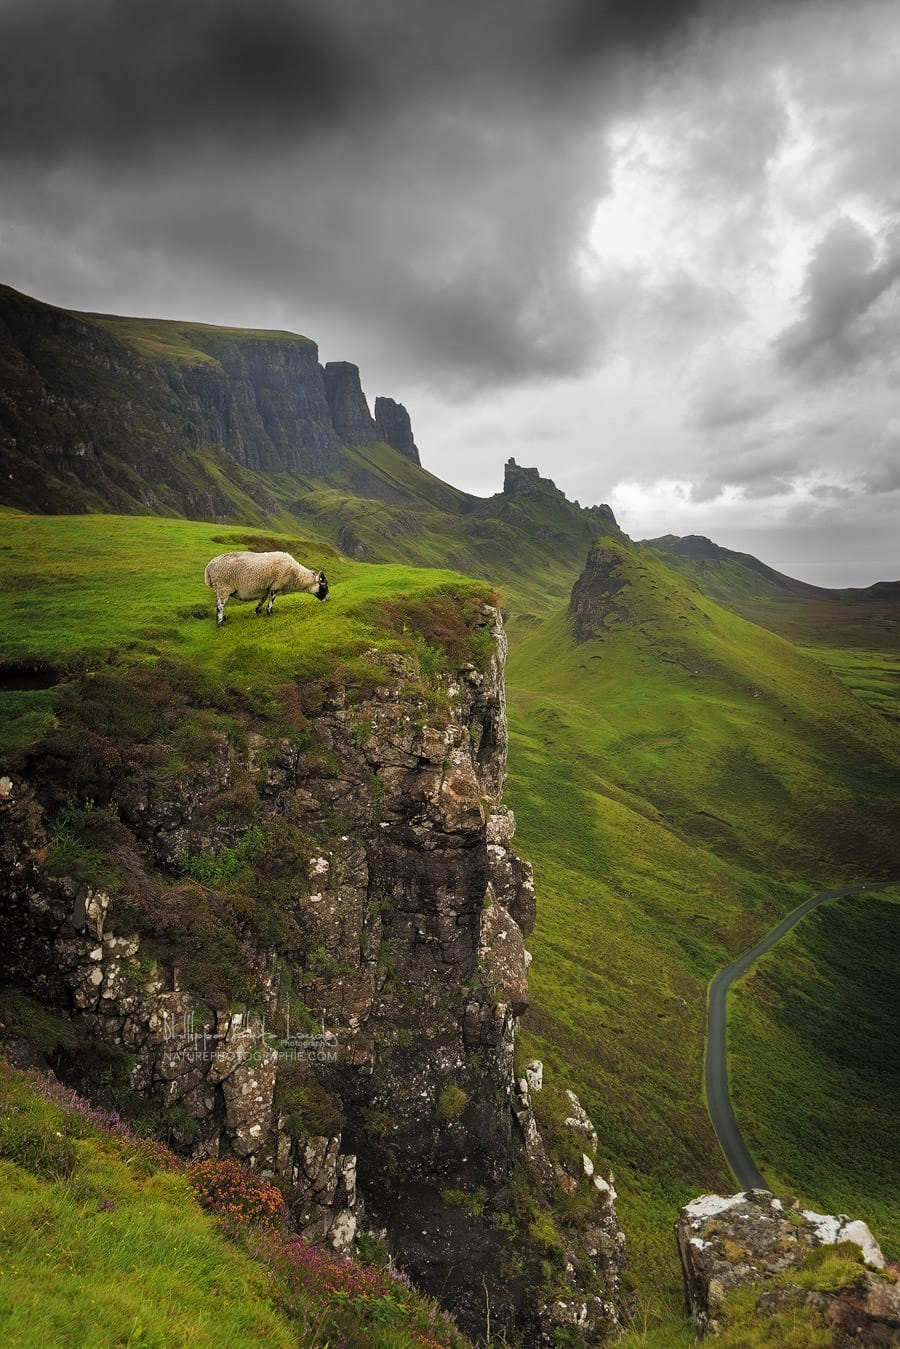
[[260, 576]]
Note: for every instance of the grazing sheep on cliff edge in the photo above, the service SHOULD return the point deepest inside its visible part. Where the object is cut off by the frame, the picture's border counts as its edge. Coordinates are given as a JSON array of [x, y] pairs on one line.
[[260, 576]]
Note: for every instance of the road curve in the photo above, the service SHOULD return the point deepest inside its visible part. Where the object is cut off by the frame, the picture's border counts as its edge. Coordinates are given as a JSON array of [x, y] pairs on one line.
[[737, 1154]]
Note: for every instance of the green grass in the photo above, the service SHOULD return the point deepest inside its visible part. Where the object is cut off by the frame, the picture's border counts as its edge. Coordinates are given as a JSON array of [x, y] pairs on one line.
[[172, 340], [815, 1079], [679, 782], [104, 1241], [151, 1270], [874, 676], [855, 633], [89, 590], [111, 1248]]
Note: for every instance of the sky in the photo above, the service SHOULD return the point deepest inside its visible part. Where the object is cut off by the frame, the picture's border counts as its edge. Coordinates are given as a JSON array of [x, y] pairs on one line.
[[651, 247]]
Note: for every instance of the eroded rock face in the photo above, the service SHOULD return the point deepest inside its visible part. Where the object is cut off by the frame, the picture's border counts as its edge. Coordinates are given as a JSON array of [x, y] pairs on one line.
[[595, 1248], [595, 595], [728, 1242], [350, 415], [405, 944], [394, 427], [260, 401]]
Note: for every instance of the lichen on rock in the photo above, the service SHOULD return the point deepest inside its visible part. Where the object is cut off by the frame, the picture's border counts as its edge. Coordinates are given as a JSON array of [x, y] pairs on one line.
[[753, 1239]]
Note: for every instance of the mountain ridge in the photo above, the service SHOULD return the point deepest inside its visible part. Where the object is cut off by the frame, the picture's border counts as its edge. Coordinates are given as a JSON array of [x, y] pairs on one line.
[[160, 417]]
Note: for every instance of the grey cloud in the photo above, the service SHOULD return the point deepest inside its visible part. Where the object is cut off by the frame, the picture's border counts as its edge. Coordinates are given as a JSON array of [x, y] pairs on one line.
[[116, 79], [730, 405], [417, 178], [426, 173], [883, 476], [844, 280]]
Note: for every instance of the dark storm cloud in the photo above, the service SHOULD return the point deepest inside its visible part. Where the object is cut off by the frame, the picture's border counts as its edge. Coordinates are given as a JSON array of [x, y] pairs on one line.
[[426, 172], [844, 281], [109, 78]]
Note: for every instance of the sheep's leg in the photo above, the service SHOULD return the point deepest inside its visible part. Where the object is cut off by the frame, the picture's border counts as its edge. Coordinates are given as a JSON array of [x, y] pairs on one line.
[[258, 609], [271, 602], [220, 610]]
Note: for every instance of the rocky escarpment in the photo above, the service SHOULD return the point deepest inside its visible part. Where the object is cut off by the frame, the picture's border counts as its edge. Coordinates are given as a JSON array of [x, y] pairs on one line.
[[794, 1257], [311, 954], [524, 482], [394, 428], [262, 401], [520, 482], [104, 413]]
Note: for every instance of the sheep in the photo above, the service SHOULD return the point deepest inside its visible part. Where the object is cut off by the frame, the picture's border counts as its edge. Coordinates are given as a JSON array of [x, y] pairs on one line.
[[260, 576]]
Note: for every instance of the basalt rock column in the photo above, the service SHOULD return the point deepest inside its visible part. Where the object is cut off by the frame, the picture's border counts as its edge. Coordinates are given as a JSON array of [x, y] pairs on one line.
[[350, 415], [394, 427]]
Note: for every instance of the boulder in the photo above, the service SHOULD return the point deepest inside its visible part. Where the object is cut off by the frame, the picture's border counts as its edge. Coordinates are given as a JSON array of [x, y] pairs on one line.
[[727, 1242]]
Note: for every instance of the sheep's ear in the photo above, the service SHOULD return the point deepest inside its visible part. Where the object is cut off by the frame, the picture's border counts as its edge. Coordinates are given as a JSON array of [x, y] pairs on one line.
[[321, 576]]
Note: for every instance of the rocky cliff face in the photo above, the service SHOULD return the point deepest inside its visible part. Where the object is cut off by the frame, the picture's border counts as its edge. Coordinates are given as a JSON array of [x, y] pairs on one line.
[[357, 1040], [110, 414], [263, 402], [392, 421], [519, 481]]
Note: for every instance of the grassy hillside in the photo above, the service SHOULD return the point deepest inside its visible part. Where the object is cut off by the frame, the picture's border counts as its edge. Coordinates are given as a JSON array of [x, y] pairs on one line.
[[164, 418], [103, 1242], [679, 782], [382, 507], [856, 633], [816, 1082]]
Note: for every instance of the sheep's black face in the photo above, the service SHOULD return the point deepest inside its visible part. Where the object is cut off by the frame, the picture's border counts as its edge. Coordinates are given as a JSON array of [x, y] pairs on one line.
[[322, 591]]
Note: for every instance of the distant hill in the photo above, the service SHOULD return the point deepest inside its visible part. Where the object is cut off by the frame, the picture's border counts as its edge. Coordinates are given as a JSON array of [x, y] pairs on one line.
[[724, 574], [809, 615], [158, 417]]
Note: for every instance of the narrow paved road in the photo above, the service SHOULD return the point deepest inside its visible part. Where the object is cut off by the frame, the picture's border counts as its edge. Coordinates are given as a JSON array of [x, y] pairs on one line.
[[736, 1151]]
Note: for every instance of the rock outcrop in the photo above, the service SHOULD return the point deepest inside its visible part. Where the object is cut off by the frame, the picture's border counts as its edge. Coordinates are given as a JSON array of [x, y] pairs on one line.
[[597, 594], [727, 1242], [394, 427], [518, 481], [350, 415]]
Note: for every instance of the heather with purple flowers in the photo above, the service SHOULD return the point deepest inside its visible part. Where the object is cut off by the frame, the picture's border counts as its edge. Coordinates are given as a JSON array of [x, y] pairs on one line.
[[329, 1300], [71, 1116]]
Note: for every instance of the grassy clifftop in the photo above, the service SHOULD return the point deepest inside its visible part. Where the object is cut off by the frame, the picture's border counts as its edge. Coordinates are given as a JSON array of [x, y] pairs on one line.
[[680, 778], [81, 591], [194, 343]]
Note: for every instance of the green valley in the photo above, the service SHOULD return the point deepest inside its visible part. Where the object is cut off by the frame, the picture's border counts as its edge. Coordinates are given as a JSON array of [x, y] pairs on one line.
[[696, 744], [680, 780]]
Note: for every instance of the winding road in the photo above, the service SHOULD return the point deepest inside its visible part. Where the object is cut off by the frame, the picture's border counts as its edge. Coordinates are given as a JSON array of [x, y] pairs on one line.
[[737, 1154]]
